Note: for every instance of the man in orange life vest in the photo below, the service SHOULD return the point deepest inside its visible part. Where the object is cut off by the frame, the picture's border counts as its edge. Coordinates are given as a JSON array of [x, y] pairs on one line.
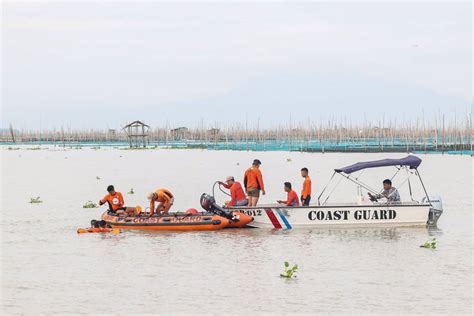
[[253, 182], [164, 198], [292, 197], [237, 194], [115, 201], [306, 190]]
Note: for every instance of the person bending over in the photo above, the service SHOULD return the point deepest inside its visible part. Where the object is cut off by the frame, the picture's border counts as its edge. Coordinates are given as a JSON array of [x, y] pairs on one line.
[[164, 200]]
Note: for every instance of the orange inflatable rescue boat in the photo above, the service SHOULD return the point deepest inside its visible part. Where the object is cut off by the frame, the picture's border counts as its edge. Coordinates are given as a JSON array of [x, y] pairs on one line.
[[172, 221], [236, 219]]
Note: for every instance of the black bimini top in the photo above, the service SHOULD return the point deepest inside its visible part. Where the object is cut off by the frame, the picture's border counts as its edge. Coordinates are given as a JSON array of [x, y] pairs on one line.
[[411, 161]]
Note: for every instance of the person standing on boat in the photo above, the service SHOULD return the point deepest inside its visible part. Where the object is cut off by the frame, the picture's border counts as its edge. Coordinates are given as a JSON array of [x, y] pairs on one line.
[[237, 194], [253, 182], [164, 199], [115, 201], [389, 192], [306, 190], [292, 196]]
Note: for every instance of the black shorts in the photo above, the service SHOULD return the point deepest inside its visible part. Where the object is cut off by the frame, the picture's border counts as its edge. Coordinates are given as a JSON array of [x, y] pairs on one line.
[[306, 202]]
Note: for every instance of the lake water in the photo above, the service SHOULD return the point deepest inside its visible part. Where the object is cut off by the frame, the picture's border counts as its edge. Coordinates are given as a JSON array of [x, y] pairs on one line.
[[48, 268]]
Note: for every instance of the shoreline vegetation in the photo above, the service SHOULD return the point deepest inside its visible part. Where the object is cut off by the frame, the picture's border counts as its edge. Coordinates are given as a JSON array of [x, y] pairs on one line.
[[438, 137]]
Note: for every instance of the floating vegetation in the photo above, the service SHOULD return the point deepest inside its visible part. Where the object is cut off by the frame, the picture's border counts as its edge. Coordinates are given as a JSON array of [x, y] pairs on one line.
[[35, 200], [97, 177], [90, 204], [131, 191], [289, 273], [34, 148], [13, 148], [138, 148], [430, 244], [288, 159], [95, 147]]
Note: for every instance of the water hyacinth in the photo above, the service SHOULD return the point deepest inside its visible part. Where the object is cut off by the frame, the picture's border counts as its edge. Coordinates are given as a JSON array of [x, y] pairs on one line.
[[90, 204], [430, 244], [35, 200], [289, 272]]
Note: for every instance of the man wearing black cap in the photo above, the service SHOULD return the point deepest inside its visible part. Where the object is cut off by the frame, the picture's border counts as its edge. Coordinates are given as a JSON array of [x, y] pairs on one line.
[[253, 182]]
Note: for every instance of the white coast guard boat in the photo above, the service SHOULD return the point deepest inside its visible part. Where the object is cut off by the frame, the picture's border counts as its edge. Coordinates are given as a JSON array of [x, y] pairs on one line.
[[362, 213]]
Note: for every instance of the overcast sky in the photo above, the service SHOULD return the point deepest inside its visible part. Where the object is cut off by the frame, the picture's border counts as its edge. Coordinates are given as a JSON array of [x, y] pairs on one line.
[[101, 64]]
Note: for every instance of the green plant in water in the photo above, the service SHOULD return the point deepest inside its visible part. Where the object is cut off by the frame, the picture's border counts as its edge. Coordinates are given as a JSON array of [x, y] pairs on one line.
[[97, 177], [131, 191], [289, 272], [90, 204], [35, 200], [430, 244]]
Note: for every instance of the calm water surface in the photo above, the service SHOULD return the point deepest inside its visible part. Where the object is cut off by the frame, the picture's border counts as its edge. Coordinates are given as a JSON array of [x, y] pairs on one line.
[[48, 268]]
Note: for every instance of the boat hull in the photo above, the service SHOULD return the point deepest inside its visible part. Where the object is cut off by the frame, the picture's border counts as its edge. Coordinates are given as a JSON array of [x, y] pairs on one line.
[[342, 215], [174, 222]]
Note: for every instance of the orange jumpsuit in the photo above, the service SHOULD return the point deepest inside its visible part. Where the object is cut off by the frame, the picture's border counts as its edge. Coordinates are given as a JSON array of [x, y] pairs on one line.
[[164, 196]]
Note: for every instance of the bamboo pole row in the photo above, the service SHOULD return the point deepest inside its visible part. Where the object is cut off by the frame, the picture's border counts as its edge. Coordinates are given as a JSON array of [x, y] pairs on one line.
[[438, 135]]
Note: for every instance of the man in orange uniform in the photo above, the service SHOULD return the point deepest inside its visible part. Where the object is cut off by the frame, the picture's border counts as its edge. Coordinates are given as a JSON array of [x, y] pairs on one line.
[[237, 194], [306, 190], [164, 198], [253, 182], [292, 197], [115, 201]]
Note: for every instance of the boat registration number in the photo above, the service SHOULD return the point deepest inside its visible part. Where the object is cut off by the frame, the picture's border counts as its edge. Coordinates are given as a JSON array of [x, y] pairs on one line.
[[252, 212]]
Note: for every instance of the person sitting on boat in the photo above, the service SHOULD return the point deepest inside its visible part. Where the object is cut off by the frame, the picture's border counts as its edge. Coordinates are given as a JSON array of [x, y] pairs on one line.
[[237, 194], [164, 199], [306, 190], [115, 201], [253, 182], [389, 192], [292, 197]]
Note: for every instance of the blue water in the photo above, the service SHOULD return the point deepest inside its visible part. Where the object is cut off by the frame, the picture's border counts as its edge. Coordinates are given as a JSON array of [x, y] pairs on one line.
[[427, 145]]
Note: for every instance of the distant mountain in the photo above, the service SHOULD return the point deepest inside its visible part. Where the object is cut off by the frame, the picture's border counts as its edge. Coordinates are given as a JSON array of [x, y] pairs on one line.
[[317, 97], [272, 100]]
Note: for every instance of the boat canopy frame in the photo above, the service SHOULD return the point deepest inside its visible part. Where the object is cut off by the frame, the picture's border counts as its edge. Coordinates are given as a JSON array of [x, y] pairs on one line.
[[408, 163]]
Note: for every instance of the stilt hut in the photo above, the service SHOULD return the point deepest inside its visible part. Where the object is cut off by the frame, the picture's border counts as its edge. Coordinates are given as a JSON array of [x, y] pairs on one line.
[[180, 133], [137, 134]]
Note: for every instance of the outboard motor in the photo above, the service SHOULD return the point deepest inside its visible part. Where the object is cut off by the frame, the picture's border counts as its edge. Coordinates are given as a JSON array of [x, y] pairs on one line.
[[209, 204], [436, 208]]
